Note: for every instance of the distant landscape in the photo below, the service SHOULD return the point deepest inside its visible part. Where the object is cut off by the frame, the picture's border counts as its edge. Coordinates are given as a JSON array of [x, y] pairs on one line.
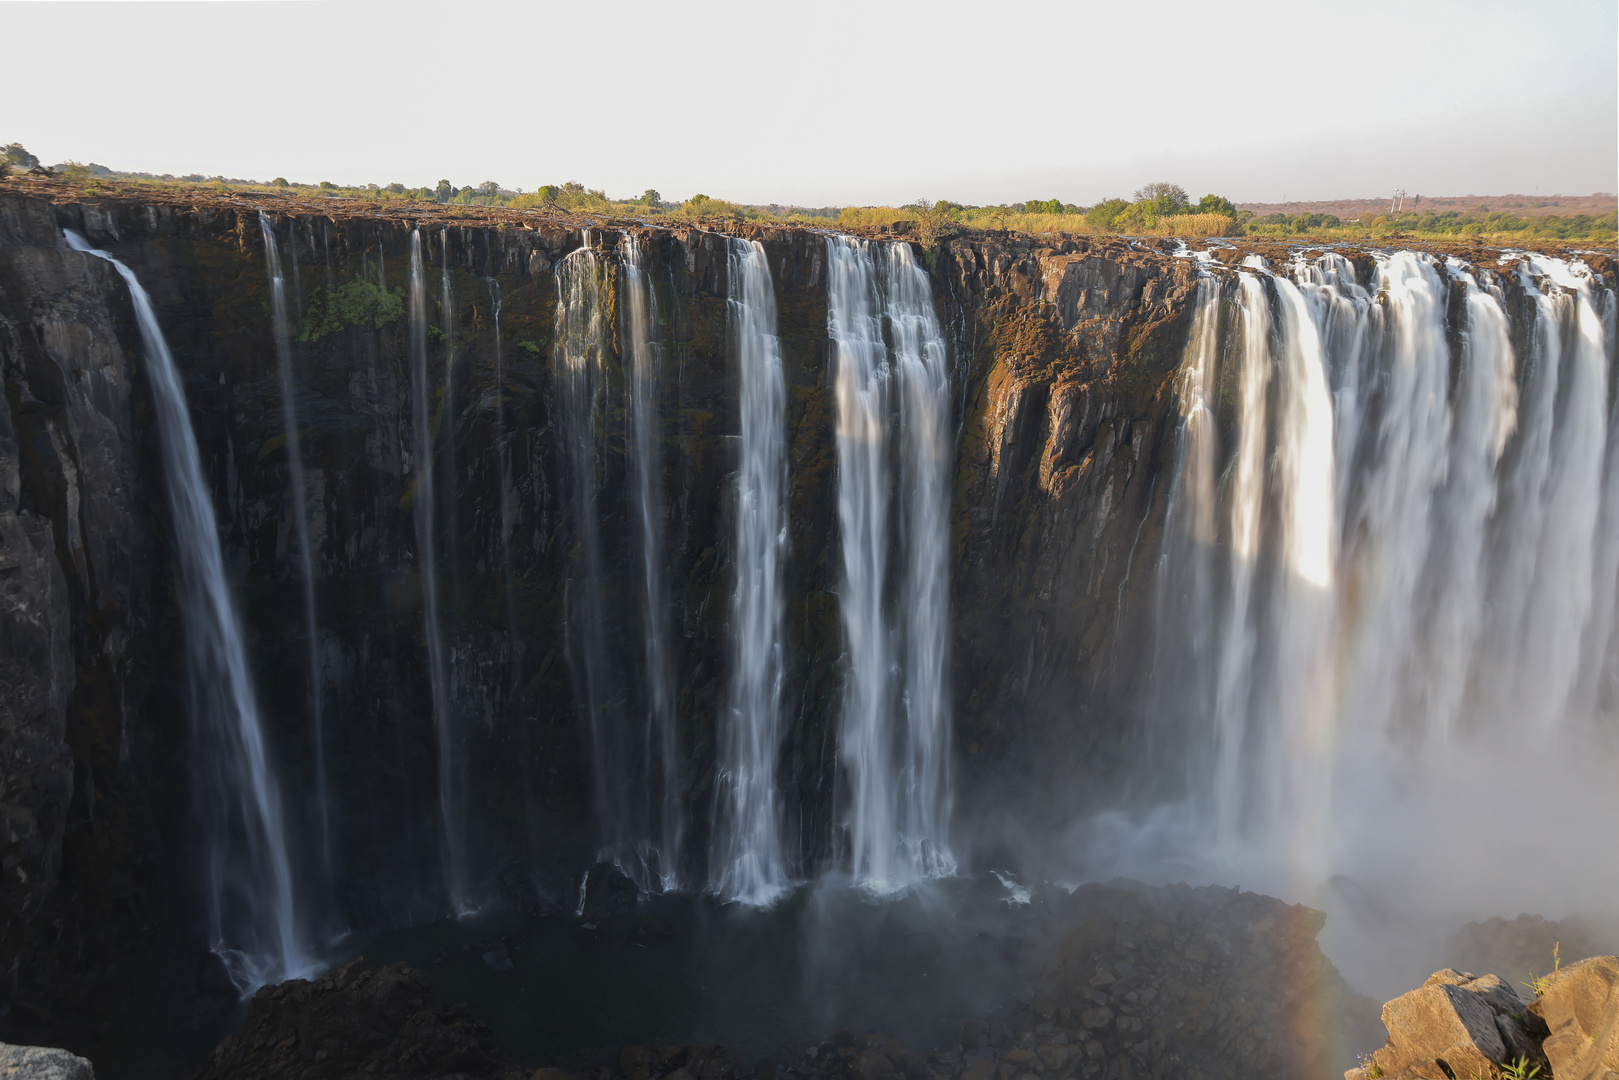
[[1156, 209]]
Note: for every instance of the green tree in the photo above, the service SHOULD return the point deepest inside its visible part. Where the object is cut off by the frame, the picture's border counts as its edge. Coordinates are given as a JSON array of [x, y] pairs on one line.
[[327, 185], [444, 192], [16, 155], [1161, 199], [489, 189], [396, 189], [1043, 206], [934, 220], [548, 193], [280, 181], [1105, 213], [651, 197], [1216, 204]]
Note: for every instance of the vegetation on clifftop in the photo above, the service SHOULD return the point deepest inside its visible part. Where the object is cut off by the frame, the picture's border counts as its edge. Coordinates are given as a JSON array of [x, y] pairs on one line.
[[1157, 209]]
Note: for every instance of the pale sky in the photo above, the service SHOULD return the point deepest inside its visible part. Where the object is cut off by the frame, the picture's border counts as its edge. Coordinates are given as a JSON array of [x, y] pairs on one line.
[[834, 102]]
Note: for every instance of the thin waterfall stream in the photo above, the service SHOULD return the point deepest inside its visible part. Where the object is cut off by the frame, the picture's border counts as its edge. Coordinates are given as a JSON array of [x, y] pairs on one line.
[[254, 925], [664, 812], [306, 560], [451, 779], [579, 360]]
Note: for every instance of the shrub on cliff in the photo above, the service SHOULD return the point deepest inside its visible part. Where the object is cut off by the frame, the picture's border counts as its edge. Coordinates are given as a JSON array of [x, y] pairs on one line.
[[357, 303]]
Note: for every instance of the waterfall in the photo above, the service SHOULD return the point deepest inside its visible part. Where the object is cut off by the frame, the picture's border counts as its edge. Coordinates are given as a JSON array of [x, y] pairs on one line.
[[861, 383], [580, 357], [927, 453], [659, 744], [504, 479], [306, 561], [747, 862], [448, 412], [451, 777], [894, 738], [253, 923], [1401, 582]]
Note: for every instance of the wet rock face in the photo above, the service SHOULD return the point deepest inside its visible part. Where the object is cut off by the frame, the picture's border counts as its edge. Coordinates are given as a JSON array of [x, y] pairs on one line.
[[86, 728], [1062, 358]]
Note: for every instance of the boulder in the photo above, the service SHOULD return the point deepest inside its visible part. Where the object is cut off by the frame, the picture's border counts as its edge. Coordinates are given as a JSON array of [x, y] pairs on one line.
[[1580, 1008], [356, 1021], [1441, 1026], [608, 892], [42, 1063]]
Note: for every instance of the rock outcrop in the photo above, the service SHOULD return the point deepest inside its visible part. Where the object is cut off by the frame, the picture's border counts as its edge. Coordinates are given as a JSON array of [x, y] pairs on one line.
[[1579, 1006], [42, 1063], [1458, 1025]]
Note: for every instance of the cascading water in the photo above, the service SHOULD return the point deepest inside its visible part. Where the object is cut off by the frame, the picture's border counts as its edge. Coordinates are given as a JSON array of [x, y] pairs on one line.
[[660, 749], [582, 351], [861, 380], [1415, 594], [253, 922], [894, 738], [927, 451], [451, 777], [300, 510], [747, 863]]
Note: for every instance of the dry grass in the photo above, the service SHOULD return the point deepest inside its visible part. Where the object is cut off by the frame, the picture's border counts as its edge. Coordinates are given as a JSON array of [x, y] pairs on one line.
[[1193, 225], [993, 218]]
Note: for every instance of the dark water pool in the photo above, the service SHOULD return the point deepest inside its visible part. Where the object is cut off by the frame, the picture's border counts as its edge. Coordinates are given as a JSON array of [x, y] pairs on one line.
[[824, 957]]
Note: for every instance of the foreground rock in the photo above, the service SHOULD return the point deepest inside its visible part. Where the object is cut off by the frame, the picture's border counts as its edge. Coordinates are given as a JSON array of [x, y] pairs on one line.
[[1458, 1025], [356, 1022], [1579, 1007], [42, 1063]]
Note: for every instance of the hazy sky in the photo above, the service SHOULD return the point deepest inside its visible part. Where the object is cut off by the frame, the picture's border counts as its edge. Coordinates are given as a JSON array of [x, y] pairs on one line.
[[831, 101]]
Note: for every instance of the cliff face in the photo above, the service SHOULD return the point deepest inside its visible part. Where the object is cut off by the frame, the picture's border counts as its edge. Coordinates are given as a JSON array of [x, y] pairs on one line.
[[1062, 358]]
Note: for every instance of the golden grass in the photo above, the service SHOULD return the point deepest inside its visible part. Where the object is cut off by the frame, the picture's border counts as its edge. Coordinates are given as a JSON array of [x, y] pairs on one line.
[[1193, 225]]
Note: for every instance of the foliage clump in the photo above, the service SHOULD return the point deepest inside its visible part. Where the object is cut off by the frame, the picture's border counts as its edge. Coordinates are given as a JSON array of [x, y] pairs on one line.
[[357, 303]]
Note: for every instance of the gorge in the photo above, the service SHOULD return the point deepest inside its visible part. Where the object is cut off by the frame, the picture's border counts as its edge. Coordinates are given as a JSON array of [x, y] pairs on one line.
[[751, 563]]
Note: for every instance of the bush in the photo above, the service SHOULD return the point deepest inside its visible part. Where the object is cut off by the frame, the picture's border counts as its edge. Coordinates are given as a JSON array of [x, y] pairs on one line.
[[358, 303], [1104, 214]]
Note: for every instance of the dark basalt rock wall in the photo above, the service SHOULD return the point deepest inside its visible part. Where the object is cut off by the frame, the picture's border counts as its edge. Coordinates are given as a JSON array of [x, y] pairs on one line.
[[1063, 363]]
